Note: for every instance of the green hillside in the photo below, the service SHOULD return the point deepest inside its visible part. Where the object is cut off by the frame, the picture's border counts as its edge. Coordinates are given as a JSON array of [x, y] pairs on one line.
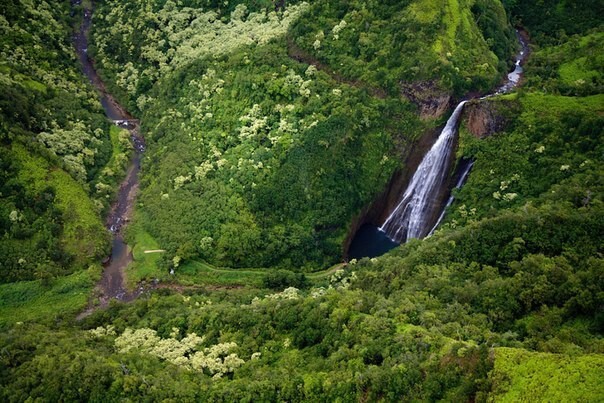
[[269, 126], [520, 375], [271, 144], [54, 141]]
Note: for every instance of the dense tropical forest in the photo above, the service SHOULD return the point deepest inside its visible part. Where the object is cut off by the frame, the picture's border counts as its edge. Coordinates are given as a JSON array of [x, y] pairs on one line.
[[270, 128]]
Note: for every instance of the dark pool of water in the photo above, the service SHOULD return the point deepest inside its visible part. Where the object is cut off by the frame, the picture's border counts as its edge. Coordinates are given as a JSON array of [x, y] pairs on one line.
[[369, 241]]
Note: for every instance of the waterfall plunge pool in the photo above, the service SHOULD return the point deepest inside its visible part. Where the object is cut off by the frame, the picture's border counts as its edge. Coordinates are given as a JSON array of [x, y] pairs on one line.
[[370, 241]]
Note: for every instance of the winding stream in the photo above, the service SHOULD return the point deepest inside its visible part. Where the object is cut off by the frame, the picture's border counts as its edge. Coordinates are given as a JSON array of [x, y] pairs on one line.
[[111, 284]]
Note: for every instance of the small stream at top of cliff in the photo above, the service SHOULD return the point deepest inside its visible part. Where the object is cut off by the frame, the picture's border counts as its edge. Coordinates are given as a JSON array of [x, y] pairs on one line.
[[421, 208], [111, 284]]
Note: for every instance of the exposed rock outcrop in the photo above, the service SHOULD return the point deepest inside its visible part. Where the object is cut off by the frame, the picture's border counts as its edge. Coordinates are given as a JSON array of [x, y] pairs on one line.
[[431, 101], [483, 118]]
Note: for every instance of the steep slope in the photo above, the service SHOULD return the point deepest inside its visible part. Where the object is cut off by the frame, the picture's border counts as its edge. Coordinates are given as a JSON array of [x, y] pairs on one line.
[[60, 164], [456, 45], [263, 147], [54, 142]]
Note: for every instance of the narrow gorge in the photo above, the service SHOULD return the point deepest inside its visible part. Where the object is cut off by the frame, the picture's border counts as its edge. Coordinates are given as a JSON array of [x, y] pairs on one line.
[[423, 204]]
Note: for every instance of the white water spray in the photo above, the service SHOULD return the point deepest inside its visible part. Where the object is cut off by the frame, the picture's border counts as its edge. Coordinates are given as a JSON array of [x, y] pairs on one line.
[[410, 217]]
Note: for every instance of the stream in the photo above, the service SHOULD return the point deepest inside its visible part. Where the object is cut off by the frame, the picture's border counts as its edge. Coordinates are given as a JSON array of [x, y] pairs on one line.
[[111, 284], [420, 209]]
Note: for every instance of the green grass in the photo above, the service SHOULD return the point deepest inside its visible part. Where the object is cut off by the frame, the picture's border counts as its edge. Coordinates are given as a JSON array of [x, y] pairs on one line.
[[520, 375], [196, 272], [555, 104], [35, 85], [145, 267], [84, 232], [424, 11], [107, 182], [575, 67], [200, 273], [453, 19], [575, 70], [119, 140], [32, 301]]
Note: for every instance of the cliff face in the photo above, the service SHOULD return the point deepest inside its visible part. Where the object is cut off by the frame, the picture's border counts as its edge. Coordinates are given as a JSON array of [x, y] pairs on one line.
[[431, 102], [483, 118], [377, 212]]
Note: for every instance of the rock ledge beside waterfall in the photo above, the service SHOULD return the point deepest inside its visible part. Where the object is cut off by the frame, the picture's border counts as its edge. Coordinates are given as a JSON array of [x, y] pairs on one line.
[[484, 117]]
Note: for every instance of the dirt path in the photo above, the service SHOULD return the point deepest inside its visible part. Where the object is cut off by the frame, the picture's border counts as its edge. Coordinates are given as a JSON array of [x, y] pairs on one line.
[[300, 55]]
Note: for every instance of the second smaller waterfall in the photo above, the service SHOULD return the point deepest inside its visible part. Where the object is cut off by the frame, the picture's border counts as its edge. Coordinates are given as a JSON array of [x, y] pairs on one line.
[[411, 217]]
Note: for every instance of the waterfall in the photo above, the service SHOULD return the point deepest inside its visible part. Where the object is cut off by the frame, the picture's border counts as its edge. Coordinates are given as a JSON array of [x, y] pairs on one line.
[[422, 207], [459, 184], [411, 217]]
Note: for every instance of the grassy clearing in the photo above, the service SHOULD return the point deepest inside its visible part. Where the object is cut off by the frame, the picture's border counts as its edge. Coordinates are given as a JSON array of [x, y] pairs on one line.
[[146, 267], [200, 273], [35, 85], [424, 11], [33, 301], [576, 70], [452, 17], [575, 67], [556, 104], [205, 274], [520, 375], [85, 235]]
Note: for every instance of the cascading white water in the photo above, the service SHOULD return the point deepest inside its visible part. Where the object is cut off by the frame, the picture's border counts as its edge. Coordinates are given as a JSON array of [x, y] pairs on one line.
[[459, 184], [410, 217]]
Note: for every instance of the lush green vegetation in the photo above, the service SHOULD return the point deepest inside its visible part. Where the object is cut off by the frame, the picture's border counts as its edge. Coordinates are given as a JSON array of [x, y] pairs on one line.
[[256, 159], [460, 45], [40, 300], [537, 159], [521, 375], [54, 147], [270, 157], [552, 21], [574, 67], [416, 324], [270, 177]]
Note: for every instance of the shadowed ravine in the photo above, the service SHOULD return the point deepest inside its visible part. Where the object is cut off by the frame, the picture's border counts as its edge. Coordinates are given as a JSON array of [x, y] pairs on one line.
[[422, 206], [410, 218], [111, 285]]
